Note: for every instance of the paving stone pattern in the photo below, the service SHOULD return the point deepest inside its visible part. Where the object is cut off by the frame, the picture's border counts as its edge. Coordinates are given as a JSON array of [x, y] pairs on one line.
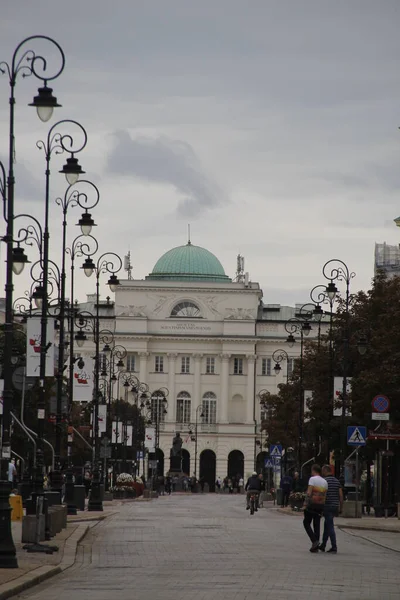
[[209, 547]]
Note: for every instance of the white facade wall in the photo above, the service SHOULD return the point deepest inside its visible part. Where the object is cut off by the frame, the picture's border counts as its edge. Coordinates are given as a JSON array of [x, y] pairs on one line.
[[227, 329]]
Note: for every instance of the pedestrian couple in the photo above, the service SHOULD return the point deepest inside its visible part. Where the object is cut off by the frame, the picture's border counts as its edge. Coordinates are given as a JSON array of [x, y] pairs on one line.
[[324, 499]]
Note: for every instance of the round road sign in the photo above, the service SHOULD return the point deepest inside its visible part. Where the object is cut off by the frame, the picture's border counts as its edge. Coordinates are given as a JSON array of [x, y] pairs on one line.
[[380, 404]]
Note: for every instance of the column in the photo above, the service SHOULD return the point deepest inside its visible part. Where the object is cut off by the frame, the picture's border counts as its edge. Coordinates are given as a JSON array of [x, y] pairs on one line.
[[143, 356], [251, 358], [197, 387], [223, 401], [171, 414]]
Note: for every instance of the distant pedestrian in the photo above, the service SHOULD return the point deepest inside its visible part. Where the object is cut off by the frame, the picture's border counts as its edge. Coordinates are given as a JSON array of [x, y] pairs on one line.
[[218, 485], [168, 485], [297, 485], [262, 493], [87, 481], [286, 487], [333, 506], [314, 506], [12, 471], [241, 485]]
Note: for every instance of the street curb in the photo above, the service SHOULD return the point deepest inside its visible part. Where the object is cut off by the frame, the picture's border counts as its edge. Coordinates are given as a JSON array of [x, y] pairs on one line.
[[36, 576], [344, 526], [386, 530], [364, 537], [12, 588]]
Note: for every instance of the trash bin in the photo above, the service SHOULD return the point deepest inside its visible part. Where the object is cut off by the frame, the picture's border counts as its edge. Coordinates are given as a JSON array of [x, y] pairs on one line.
[[279, 497]]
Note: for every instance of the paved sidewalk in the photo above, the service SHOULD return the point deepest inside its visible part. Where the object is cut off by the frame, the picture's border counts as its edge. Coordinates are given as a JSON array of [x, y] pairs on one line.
[[34, 568]]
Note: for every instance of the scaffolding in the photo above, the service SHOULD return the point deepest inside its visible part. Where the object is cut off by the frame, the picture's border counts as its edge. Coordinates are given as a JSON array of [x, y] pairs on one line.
[[387, 258]]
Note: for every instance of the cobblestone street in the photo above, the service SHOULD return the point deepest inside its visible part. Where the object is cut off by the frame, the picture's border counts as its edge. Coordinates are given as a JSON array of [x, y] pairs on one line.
[[184, 547]]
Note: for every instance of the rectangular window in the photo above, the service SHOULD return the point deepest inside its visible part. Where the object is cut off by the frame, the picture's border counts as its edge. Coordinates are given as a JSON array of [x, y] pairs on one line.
[[183, 410], [238, 366], [185, 364], [159, 364], [209, 411], [210, 365], [266, 367], [290, 366], [158, 410], [130, 362]]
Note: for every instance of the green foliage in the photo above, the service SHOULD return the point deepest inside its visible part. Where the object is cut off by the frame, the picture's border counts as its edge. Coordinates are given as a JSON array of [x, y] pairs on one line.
[[374, 315]]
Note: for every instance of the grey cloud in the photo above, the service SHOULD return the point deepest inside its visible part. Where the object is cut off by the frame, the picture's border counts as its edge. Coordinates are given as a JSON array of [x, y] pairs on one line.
[[166, 161], [27, 186]]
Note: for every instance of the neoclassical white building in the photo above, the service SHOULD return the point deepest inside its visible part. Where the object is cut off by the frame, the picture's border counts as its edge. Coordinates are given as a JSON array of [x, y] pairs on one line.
[[209, 340]]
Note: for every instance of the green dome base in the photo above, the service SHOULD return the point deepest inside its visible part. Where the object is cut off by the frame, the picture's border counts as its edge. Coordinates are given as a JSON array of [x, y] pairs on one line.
[[189, 263]]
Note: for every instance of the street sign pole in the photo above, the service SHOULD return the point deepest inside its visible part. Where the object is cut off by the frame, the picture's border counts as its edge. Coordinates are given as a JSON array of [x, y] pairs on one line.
[[357, 481]]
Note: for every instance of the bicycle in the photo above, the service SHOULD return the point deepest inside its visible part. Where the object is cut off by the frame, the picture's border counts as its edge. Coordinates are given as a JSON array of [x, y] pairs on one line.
[[253, 503]]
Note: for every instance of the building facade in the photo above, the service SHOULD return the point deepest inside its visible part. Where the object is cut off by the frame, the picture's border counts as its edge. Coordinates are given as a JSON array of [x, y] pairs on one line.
[[209, 340]]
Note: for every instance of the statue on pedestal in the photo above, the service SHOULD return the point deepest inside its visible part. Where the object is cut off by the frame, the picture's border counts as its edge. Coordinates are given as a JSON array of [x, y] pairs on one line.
[[175, 454], [177, 442]]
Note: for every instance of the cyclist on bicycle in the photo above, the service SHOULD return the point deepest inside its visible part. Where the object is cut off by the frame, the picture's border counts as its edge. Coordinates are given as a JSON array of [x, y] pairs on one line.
[[253, 486]]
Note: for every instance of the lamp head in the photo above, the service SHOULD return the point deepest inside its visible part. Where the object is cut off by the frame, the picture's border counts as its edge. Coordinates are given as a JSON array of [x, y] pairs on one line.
[[72, 170], [45, 103]]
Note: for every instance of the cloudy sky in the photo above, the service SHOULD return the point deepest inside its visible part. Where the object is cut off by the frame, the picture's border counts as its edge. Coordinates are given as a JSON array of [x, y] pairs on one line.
[[270, 126]]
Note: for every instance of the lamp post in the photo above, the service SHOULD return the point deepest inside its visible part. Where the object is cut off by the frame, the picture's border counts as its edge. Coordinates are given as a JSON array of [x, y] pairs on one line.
[[301, 325], [278, 356], [336, 270], [111, 263], [24, 62], [155, 405], [198, 414], [56, 143], [73, 197]]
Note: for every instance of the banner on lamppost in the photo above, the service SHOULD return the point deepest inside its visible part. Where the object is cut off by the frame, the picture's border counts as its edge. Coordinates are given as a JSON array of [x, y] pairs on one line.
[[33, 342], [1, 395], [338, 396], [83, 380], [129, 435], [308, 394], [150, 439], [102, 418], [116, 432]]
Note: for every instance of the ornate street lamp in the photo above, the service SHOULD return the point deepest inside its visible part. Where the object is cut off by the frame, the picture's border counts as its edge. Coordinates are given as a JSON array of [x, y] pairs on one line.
[[199, 414], [336, 270], [278, 356], [300, 325], [24, 62]]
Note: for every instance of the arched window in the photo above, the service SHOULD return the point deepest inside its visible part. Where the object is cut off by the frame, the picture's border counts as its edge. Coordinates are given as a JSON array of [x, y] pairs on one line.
[[158, 410], [209, 408], [186, 309], [183, 407]]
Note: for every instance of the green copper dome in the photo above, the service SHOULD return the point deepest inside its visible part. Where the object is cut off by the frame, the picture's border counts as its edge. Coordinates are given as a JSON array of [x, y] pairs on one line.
[[189, 263]]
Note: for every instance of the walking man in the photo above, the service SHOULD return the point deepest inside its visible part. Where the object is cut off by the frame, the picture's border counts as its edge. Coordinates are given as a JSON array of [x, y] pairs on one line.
[[333, 506], [314, 506]]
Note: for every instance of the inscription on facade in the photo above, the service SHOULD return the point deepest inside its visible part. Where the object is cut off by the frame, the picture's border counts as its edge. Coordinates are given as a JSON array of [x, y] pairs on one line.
[[184, 327]]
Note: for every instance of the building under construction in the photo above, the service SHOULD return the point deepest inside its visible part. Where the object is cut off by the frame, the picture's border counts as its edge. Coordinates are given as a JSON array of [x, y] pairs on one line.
[[387, 258]]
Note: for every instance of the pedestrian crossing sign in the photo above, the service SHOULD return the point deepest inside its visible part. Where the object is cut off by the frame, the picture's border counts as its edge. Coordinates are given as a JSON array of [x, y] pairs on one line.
[[356, 435], [269, 463], [275, 450]]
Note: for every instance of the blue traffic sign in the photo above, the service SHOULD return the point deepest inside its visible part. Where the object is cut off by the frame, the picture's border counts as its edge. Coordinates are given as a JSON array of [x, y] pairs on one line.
[[269, 463], [356, 435], [275, 450], [380, 403]]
